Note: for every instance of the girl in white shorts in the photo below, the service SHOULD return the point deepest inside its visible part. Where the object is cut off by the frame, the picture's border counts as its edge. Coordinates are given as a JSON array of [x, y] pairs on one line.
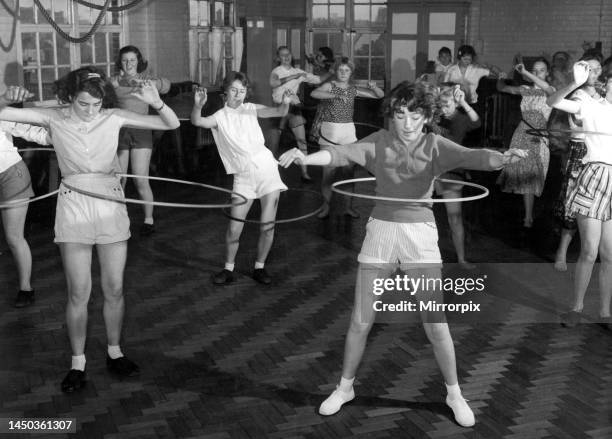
[[241, 146], [405, 162], [15, 185], [85, 134]]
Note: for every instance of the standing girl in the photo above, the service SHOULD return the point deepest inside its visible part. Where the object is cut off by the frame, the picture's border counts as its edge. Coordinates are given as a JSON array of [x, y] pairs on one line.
[[85, 135], [527, 177], [135, 145], [405, 162], [337, 127], [241, 146]]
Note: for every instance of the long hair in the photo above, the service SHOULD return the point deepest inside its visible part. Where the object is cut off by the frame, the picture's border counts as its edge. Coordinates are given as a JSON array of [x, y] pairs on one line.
[[86, 79], [142, 64]]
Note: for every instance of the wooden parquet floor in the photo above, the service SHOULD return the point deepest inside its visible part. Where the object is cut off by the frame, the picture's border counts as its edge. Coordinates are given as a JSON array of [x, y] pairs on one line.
[[247, 361]]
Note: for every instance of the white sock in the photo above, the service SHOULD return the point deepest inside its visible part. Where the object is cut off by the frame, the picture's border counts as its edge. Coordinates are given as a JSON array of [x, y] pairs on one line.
[[148, 221], [114, 352], [454, 391], [229, 266], [78, 362], [345, 384], [259, 265]]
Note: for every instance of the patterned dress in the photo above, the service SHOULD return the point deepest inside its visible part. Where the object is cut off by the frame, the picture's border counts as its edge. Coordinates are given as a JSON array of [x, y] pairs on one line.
[[528, 175]]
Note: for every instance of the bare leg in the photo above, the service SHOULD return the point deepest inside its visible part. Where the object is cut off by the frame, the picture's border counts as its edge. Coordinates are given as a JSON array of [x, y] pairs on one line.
[[76, 259], [141, 159], [455, 222], [112, 259], [234, 230], [269, 205], [327, 178], [605, 271], [300, 137], [590, 234], [528, 200], [561, 255], [13, 221]]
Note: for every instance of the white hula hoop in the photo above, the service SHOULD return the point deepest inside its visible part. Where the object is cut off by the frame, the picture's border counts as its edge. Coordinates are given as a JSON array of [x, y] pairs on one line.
[[485, 192]]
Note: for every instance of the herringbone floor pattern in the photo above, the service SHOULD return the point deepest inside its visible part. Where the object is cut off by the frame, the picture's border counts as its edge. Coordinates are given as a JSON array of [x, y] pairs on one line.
[[246, 361]]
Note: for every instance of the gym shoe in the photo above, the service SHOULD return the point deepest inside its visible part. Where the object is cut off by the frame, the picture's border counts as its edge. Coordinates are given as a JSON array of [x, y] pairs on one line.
[[335, 401], [262, 276], [122, 366], [223, 277], [462, 411], [147, 229], [570, 319], [605, 323], [74, 380], [24, 298]]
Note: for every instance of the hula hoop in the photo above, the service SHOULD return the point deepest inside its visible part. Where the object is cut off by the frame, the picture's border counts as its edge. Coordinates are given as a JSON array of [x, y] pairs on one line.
[[542, 132], [163, 203], [18, 203], [485, 192], [331, 142], [282, 221]]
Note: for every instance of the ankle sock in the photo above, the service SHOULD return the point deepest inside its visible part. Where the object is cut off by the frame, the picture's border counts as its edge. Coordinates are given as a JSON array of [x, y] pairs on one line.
[[259, 265], [114, 352], [148, 221], [454, 391], [346, 384], [229, 266], [78, 362]]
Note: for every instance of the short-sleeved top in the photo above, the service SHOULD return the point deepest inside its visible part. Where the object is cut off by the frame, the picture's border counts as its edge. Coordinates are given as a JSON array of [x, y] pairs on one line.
[[294, 84], [238, 136], [341, 108], [469, 80], [86, 147], [408, 171], [457, 126], [596, 116], [8, 153], [575, 124], [125, 86]]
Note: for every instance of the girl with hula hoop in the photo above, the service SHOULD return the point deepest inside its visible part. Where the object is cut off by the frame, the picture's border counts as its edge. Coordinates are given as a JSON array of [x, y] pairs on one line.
[[405, 162], [590, 200], [85, 135], [240, 142], [15, 186]]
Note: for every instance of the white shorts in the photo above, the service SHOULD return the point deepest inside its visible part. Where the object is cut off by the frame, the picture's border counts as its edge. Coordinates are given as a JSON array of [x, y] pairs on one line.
[[88, 220], [261, 177], [338, 133], [406, 244]]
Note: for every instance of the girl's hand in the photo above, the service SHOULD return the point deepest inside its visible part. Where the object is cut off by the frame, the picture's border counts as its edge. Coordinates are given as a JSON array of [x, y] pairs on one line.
[[147, 92], [520, 67], [200, 96], [293, 155], [581, 72], [16, 93], [459, 95], [287, 97], [371, 85], [514, 155]]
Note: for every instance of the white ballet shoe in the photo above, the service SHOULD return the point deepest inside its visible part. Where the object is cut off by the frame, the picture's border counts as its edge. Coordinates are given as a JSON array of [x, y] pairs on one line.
[[335, 401], [462, 411]]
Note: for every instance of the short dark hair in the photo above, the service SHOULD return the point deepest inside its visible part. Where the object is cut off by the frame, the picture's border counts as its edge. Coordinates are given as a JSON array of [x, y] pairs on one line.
[[86, 79], [236, 76], [466, 49], [414, 96], [327, 53], [142, 64], [445, 50]]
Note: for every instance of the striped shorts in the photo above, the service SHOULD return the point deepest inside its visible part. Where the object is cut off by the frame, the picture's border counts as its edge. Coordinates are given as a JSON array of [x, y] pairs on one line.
[[408, 244], [592, 194]]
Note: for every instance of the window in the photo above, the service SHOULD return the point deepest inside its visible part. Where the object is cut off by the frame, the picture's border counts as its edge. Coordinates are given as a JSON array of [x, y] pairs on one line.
[[353, 28], [46, 56], [215, 41]]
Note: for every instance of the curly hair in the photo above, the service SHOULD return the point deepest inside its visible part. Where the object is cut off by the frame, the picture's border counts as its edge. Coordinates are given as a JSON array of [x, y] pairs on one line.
[[414, 96], [142, 64], [237, 76], [86, 79]]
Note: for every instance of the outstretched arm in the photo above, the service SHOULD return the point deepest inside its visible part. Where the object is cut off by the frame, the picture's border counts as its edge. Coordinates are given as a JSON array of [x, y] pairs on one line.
[[280, 111], [147, 93], [15, 94], [199, 100], [320, 158], [372, 91], [557, 99]]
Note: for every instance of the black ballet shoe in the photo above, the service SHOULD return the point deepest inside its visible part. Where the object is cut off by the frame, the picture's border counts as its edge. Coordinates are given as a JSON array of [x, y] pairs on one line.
[[74, 380], [24, 298]]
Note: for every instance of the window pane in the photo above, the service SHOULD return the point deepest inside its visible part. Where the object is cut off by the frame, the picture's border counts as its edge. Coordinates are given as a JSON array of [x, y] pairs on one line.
[[100, 48], [319, 40], [379, 15], [46, 4], [48, 78], [203, 45], [296, 44], [228, 45], [336, 15], [86, 51], [404, 23], [319, 16], [114, 16], [61, 12], [26, 11], [63, 51], [361, 68], [362, 44], [361, 1], [62, 71], [442, 23], [85, 15], [377, 46], [228, 17], [204, 14], [193, 12], [219, 13], [30, 81], [115, 43], [281, 37], [46, 48], [362, 15], [378, 69], [28, 45], [204, 71]]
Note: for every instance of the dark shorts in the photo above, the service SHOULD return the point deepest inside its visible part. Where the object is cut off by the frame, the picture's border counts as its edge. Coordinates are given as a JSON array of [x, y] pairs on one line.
[[132, 138], [15, 183]]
